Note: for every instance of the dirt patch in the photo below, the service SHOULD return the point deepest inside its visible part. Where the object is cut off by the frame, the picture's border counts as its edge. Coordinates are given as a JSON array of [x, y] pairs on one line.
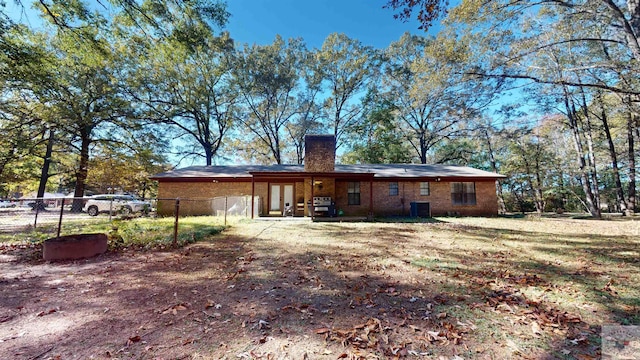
[[498, 288]]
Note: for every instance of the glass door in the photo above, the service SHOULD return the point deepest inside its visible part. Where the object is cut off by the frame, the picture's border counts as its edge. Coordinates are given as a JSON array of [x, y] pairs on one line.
[[274, 203]]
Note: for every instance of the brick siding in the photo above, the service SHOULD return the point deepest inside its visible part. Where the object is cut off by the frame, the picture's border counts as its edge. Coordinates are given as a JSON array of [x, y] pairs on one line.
[[196, 194], [319, 153], [439, 199]]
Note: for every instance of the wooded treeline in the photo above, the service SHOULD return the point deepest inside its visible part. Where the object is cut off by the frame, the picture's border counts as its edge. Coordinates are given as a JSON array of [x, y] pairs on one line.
[[547, 94]]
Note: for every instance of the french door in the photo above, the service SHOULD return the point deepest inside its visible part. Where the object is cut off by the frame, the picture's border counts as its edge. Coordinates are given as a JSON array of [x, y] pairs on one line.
[[280, 195]]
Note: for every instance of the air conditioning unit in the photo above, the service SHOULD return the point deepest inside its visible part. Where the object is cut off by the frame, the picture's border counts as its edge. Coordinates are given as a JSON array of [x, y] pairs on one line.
[[420, 209]]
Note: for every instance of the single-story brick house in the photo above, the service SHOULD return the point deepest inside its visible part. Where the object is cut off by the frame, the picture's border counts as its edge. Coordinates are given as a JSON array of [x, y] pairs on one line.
[[349, 190]]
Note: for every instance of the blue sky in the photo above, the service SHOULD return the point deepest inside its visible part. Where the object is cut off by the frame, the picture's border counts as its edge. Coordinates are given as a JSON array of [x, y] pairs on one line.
[[258, 21]]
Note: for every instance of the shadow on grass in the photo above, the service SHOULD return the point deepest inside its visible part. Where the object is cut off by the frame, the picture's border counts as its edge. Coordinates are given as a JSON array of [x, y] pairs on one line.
[[232, 294]]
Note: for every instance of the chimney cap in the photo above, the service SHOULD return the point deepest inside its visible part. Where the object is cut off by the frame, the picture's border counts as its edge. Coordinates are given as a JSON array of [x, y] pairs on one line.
[[319, 136]]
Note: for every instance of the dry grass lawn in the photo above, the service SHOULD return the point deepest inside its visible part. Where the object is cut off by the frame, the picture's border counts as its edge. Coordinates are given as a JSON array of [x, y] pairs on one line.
[[471, 288]]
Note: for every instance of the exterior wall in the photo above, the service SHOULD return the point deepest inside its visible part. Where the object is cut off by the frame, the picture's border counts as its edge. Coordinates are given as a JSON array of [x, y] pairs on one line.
[[439, 199], [342, 199], [262, 191], [196, 197], [319, 153]]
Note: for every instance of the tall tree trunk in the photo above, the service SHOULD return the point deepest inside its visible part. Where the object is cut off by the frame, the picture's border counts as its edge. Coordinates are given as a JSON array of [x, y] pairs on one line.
[[423, 149], [584, 174], [614, 161], [81, 174], [593, 172], [632, 163], [538, 190], [208, 153], [44, 173], [494, 166]]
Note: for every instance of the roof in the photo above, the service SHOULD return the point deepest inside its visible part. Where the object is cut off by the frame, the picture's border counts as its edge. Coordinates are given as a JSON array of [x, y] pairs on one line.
[[378, 171]]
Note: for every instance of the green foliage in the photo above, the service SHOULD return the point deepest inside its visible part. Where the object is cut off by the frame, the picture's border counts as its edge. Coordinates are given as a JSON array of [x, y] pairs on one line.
[[186, 91], [124, 172], [376, 139], [268, 78], [138, 233], [347, 67]]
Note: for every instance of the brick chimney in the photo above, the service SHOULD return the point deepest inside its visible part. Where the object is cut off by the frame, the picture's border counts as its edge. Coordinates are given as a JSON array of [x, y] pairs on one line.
[[319, 153]]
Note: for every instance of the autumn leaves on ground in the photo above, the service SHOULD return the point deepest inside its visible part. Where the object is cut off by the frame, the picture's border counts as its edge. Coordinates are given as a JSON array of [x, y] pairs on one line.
[[451, 288]]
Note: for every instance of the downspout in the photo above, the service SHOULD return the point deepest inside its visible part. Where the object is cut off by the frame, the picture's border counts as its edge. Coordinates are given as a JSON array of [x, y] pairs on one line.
[[253, 195], [313, 211], [371, 199], [402, 199]]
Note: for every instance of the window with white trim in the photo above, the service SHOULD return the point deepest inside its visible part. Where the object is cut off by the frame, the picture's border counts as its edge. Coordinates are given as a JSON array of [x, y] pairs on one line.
[[424, 189], [463, 193], [353, 193], [393, 189]]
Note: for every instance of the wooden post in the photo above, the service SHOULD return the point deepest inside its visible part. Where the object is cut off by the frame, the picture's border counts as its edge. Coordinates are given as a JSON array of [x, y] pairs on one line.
[[370, 199], [35, 221], [175, 224], [110, 208], [225, 210], [313, 210], [60, 220], [253, 194]]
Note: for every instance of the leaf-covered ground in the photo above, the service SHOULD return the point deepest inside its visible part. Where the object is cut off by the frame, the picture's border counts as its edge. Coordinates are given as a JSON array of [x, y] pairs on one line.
[[453, 288]]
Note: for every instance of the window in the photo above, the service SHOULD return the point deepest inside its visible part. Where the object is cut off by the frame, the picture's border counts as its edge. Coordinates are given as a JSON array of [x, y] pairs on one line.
[[424, 189], [393, 189], [463, 193], [353, 193]]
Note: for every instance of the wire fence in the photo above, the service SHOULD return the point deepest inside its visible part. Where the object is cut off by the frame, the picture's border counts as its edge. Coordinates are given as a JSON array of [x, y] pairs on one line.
[[62, 216]]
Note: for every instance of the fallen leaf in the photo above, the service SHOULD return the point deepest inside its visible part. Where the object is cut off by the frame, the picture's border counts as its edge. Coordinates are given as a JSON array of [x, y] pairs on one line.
[[535, 328], [43, 313], [134, 338], [513, 346], [441, 315], [262, 324], [322, 330]]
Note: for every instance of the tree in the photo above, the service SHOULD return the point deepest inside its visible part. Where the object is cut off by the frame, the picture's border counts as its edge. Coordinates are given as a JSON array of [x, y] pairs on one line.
[[267, 78], [115, 169], [622, 18], [424, 79], [189, 90], [428, 10], [309, 113], [603, 29], [376, 139], [347, 66], [86, 99], [24, 77]]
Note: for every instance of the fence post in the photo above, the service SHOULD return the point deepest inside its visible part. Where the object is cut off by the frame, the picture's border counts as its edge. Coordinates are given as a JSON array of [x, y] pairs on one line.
[[110, 208], [60, 220], [225, 211], [35, 221], [175, 225]]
